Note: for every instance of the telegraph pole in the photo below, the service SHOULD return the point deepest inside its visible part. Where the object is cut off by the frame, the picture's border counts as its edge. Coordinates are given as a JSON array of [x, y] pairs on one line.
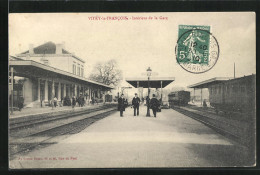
[[234, 70]]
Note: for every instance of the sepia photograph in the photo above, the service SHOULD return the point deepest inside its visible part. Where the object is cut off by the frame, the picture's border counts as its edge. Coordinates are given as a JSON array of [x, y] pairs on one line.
[[132, 90]]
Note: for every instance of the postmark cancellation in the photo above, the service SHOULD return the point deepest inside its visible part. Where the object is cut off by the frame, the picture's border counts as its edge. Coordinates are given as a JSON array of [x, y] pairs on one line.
[[197, 50]]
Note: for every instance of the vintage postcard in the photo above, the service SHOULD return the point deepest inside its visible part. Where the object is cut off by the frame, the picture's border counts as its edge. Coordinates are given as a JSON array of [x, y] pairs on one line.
[[132, 90]]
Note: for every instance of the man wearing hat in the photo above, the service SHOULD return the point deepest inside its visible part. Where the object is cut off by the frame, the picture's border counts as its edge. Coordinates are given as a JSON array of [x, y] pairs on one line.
[[121, 104], [135, 103], [154, 104]]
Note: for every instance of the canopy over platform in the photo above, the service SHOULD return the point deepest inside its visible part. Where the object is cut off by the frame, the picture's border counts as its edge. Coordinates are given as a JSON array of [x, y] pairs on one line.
[[155, 82], [29, 68], [207, 83]]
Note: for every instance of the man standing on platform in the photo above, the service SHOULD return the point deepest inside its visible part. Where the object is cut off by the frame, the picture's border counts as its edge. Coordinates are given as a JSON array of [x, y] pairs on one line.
[[135, 102], [148, 106], [55, 102], [121, 105], [73, 101], [154, 103]]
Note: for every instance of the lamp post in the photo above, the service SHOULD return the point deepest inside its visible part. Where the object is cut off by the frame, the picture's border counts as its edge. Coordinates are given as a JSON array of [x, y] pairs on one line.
[[149, 73]]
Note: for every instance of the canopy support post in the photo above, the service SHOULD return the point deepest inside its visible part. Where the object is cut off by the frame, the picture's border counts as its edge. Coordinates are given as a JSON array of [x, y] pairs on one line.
[[201, 96], [161, 91], [194, 96]]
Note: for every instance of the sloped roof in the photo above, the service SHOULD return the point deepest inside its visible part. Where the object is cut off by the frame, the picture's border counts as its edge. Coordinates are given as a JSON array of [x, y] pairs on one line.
[[34, 68], [46, 48], [14, 58], [49, 48], [212, 81]]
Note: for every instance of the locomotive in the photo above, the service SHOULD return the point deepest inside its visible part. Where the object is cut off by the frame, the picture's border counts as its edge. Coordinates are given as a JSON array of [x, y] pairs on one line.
[[235, 95], [180, 98]]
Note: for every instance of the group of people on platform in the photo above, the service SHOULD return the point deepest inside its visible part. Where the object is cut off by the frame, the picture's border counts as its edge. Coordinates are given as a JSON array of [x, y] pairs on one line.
[[80, 100], [153, 104], [66, 101]]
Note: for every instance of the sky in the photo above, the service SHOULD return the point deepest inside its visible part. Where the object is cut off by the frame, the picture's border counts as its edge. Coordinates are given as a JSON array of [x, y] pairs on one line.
[[139, 44]]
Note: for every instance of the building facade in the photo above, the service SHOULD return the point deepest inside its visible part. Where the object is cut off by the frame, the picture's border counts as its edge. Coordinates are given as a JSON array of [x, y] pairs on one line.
[[49, 71], [55, 55]]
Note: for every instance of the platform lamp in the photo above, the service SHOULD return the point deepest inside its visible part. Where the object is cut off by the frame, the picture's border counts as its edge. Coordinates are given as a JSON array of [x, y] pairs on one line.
[[149, 73]]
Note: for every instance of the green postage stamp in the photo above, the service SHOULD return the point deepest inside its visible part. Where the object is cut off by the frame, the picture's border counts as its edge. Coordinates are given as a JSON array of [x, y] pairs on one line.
[[197, 49]]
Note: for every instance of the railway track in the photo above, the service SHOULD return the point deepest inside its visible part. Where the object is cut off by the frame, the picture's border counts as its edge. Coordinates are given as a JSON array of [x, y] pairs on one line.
[[242, 132], [27, 136], [230, 130], [17, 124], [227, 114]]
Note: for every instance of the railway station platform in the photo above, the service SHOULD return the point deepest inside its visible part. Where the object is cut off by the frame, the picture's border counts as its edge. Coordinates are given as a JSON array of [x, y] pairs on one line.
[[47, 110], [170, 140]]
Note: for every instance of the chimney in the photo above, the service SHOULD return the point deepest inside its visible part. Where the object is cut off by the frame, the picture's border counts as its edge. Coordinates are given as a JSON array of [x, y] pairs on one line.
[[59, 48], [31, 51]]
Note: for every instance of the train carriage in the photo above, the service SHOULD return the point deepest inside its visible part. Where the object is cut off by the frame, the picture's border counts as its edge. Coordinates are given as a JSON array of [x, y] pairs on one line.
[[180, 98], [237, 95]]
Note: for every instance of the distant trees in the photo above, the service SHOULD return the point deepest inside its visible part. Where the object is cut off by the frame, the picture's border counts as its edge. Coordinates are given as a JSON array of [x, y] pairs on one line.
[[107, 73]]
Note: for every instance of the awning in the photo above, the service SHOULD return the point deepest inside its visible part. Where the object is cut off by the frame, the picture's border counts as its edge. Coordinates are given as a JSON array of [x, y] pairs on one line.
[[29, 68], [155, 82], [207, 83]]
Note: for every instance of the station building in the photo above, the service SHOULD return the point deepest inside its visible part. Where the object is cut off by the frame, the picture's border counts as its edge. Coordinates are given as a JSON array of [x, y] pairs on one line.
[[49, 70]]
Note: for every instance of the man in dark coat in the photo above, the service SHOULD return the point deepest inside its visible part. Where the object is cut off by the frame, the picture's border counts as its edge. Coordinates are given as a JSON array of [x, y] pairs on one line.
[[121, 105], [73, 101], [20, 103], [154, 104], [81, 100], [204, 104], [135, 102], [55, 100], [148, 106]]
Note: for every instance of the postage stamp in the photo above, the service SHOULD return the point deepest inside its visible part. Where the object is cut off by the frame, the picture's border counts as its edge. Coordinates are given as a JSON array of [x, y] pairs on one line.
[[197, 50]]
